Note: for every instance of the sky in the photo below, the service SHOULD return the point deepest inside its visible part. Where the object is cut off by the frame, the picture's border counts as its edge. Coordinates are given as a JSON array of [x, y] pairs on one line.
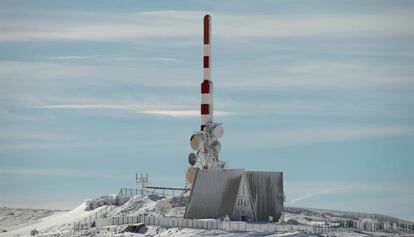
[[92, 92]]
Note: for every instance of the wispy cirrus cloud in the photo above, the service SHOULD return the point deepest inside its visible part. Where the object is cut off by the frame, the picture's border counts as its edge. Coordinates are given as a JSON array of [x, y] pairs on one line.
[[62, 172], [71, 57], [298, 192], [325, 134], [101, 58], [183, 113], [160, 106], [314, 194], [166, 24], [134, 109], [312, 75]]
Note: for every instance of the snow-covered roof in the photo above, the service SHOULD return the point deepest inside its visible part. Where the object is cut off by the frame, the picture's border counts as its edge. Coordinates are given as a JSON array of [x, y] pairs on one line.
[[213, 194]]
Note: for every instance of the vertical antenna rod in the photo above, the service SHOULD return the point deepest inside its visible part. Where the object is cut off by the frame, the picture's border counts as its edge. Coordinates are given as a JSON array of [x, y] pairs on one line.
[[207, 91]]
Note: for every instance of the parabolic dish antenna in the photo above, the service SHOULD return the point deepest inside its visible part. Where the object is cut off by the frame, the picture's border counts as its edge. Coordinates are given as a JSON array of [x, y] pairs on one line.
[[196, 141], [191, 174], [192, 158], [216, 146], [218, 131]]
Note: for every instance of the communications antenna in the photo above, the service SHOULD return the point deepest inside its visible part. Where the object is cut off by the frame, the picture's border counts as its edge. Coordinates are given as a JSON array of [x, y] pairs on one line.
[[143, 180]]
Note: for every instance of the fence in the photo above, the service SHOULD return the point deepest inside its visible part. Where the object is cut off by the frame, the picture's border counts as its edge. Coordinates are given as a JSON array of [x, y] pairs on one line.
[[233, 226], [348, 220], [365, 221], [90, 220], [128, 192], [365, 225], [164, 191], [168, 191], [238, 226], [349, 214]]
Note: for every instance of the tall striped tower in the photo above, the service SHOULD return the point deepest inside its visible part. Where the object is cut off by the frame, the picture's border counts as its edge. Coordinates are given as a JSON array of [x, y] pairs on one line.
[[207, 92], [205, 143]]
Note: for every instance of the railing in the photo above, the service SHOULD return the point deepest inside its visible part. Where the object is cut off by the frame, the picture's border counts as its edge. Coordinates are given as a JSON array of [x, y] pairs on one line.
[[369, 222], [90, 221], [238, 226], [129, 192], [234, 226], [372, 222], [364, 226], [359, 215], [168, 190]]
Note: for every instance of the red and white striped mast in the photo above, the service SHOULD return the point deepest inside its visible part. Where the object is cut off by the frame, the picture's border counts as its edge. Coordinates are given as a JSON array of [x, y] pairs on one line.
[[205, 143], [207, 90]]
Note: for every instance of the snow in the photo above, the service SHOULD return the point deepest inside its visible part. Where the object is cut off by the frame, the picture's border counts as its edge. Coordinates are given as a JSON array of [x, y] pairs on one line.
[[136, 205], [14, 218], [60, 223]]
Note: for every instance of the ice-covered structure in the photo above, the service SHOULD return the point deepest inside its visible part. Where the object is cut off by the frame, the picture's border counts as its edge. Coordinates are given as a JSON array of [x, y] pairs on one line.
[[217, 191], [236, 193]]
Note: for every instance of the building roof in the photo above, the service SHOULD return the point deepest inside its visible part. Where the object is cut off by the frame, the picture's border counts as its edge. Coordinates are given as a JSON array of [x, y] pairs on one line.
[[213, 194]]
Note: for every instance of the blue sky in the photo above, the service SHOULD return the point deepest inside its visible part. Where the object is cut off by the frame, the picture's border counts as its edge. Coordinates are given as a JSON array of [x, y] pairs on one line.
[[93, 91]]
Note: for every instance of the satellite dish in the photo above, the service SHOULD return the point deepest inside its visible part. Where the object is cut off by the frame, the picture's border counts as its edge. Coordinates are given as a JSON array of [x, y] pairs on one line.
[[191, 174], [216, 146], [218, 131], [192, 159], [196, 141]]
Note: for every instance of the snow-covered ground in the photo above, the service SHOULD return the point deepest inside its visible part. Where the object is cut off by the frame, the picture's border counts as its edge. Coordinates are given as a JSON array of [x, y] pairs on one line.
[[20, 222], [14, 218], [60, 222]]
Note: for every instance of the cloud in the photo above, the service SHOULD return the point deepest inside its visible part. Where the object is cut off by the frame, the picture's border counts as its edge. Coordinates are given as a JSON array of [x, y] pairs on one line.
[[314, 194], [16, 75], [166, 59], [101, 58], [133, 109], [315, 74], [327, 134], [297, 192], [19, 139], [182, 114], [62, 172], [71, 57], [96, 26]]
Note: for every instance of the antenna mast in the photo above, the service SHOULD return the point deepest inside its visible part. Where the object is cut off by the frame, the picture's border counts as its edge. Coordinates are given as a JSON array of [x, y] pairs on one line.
[[205, 143], [143, 180]]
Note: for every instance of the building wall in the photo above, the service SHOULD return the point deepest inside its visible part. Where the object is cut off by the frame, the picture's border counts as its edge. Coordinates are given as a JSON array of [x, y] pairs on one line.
[[266, 190], [253, 195], [243, 210]]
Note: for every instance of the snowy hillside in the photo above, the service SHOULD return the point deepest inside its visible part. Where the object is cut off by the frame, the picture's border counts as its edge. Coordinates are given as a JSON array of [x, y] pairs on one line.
[[58, 223], [14, 218]]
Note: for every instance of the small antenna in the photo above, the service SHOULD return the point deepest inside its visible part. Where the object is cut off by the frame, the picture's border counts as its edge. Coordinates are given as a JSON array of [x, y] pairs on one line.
[[143, 180]]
